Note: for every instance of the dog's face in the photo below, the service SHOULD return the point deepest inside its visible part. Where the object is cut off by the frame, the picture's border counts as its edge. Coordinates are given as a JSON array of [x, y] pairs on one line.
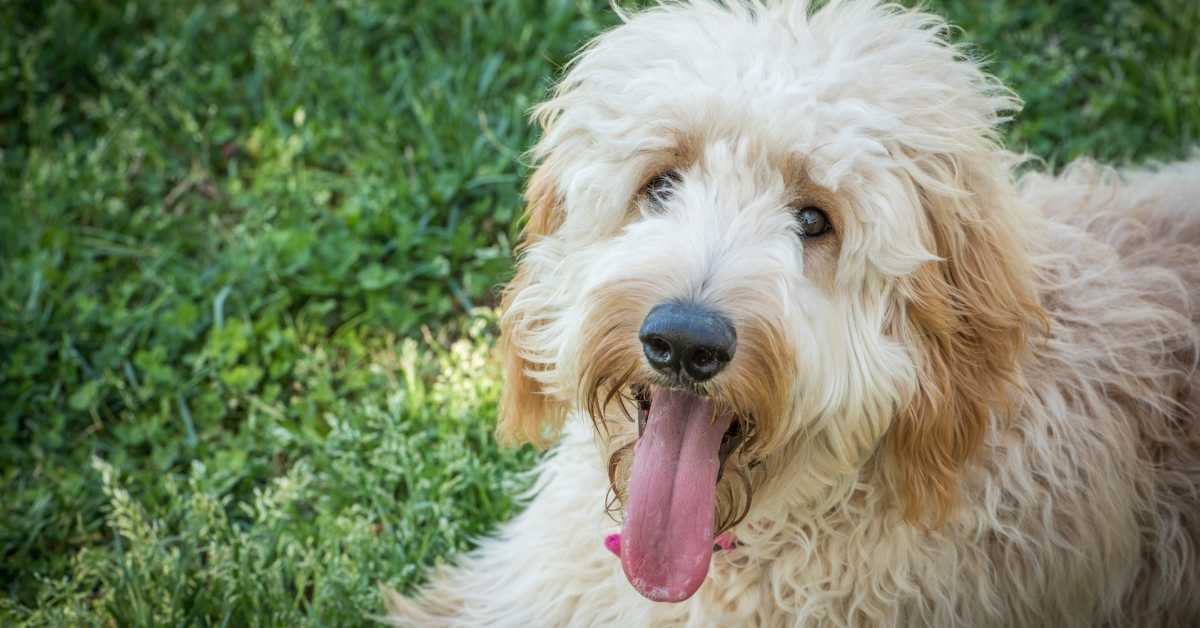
[[769, 251]]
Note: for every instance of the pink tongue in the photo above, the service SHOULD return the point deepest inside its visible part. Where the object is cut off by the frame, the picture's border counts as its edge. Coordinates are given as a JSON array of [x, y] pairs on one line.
[[667, 540]]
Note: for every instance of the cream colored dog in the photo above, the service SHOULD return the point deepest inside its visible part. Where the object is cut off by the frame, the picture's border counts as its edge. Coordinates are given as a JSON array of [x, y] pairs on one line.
[[779, 284]]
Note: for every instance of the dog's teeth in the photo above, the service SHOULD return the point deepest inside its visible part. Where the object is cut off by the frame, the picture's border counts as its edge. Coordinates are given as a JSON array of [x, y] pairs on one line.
[[642, 397]]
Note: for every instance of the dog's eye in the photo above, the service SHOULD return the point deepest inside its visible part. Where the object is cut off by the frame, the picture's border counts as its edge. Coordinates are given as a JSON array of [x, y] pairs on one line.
[[812, 222], [660, 188]]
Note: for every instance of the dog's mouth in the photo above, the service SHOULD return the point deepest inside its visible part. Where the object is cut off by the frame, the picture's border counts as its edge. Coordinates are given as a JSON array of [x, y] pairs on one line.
[[684, 439], [730, 441]]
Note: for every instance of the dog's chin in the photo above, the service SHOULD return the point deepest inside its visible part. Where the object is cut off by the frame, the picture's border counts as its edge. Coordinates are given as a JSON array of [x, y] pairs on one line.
[[685, 438]]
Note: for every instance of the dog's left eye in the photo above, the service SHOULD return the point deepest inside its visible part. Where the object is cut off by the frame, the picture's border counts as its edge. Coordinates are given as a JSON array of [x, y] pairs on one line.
[[812, 222], [660, 188]]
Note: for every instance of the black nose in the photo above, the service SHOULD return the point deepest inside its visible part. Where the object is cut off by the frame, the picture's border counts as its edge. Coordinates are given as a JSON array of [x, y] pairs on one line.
[[687, 340]]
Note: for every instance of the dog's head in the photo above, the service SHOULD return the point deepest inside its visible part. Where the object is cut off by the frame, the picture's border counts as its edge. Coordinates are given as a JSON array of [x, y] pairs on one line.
[[769, 250]]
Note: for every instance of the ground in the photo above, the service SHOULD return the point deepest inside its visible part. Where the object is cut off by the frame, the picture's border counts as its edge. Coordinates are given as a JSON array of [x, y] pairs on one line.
[[248, 258]]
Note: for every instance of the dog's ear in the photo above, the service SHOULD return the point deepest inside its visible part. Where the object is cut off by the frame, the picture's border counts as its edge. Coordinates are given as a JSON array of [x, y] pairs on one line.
[[527, 413], [970, 314]]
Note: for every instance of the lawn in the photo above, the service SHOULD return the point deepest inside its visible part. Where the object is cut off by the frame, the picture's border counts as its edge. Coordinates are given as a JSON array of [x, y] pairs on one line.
[[249, 253]]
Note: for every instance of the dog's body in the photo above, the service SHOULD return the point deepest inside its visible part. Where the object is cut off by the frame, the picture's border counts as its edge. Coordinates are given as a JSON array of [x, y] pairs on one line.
[[996, 425]]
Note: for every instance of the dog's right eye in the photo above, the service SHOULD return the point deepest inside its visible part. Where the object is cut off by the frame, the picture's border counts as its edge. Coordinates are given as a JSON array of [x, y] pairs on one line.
[[660, 187], [812, 222]]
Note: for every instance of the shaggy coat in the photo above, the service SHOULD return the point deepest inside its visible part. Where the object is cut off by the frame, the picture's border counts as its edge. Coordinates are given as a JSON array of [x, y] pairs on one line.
[[971, 401]]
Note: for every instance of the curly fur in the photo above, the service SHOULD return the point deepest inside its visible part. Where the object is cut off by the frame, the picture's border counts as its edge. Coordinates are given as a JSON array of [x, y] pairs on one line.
[[975, 404]]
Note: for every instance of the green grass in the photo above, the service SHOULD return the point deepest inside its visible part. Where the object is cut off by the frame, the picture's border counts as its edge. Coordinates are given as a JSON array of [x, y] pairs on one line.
[[248, 255]]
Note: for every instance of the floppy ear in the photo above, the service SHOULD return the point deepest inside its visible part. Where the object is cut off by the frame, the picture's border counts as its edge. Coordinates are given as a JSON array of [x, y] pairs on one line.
[[526, 412], [970, 315]]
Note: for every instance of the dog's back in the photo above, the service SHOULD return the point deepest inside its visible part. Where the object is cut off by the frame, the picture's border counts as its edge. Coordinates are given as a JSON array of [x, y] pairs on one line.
[[1147, 225], [1151, 215]]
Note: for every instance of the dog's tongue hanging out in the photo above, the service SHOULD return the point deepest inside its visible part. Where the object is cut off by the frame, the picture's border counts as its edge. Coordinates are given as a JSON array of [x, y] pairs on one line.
[[667, 541]]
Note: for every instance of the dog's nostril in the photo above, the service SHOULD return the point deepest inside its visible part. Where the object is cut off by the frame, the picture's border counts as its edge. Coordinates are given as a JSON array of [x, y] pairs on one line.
[[659, 347], [660, 353], [704, 362], [705, 357]]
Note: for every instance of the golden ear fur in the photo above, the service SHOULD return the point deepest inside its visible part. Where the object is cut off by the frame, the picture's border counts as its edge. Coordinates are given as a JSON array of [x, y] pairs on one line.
[[971, 313], [527, 414]]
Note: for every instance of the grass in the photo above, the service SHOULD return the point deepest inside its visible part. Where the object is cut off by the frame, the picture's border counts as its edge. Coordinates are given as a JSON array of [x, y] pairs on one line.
[[248, 256]]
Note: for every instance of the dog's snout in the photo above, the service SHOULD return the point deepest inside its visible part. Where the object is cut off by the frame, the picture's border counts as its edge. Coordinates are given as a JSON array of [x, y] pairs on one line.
[[687, 340]]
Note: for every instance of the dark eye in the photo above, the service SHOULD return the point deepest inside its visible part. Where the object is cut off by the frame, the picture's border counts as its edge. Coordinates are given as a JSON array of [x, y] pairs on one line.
[[812, 222], [660, 188]]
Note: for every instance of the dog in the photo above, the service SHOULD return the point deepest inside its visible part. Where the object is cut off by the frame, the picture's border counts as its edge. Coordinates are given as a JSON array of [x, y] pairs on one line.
[[811, 353]]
